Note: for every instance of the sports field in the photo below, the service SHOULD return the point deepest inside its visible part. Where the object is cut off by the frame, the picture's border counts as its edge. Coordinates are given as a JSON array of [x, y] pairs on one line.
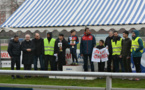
[[117, 83], [36, 80]]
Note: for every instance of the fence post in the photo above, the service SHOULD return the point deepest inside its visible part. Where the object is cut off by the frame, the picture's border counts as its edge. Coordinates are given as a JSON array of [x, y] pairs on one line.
[[0, 54], [108, 83]]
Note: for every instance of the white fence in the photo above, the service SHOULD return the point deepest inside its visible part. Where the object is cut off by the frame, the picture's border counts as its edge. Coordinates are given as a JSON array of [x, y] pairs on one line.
[[108, 76]]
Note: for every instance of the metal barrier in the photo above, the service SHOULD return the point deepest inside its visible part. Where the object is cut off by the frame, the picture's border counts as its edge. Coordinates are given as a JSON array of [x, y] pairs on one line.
[[108, 76]]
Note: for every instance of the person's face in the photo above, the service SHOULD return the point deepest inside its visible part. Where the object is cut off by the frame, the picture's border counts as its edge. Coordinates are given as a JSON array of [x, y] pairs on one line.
[[37, 36], [87, 31], [16, 39], [27, 37], [74, 33], [124, 35], [100, 43], [60, 37], [48, 35], [110, 34], [133, 34], [115, 34]]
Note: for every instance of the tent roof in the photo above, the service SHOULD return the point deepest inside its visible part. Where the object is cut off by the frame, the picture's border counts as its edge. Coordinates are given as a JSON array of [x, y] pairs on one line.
[[77, 13]]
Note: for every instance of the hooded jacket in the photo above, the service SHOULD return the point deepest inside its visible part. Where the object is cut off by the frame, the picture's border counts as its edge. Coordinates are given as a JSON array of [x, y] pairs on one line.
[[137, 53], [49, 39], [88, 41], [50, 33]]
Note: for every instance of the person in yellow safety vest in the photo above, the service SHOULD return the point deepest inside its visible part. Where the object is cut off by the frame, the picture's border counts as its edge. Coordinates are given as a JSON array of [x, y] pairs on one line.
[[116, 43], [49, 45], [137, 50]]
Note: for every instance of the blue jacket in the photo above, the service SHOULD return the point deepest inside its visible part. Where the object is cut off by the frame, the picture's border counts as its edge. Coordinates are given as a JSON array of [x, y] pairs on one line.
[[87, 44], [74, 38], [137, 53]]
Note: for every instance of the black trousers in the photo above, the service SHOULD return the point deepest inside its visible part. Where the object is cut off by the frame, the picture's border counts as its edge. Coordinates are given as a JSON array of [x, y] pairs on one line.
[[27, 66], [61, 60], [116, 61], [109, 63], [50, 59], [137, 62], [85, 57], [101, 66], [15, 60], [127, 64]]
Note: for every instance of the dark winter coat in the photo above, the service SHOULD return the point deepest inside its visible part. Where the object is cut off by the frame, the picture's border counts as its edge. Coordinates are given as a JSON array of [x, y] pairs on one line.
[[38, 46], [126, 46], [27, 57], [64, 46], [14, 48], [100, 47], [88, 42], [108, 43]]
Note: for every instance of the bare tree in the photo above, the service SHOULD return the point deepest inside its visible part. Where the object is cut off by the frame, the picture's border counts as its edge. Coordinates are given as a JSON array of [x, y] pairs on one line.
[[9, 6], [14, 4]]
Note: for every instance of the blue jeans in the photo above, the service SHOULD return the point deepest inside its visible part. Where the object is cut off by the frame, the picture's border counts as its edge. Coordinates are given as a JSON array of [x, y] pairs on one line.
[[41, 62]]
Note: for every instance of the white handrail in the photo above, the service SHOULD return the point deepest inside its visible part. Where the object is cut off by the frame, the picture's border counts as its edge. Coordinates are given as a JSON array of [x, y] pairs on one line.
[[108, 76], [66, 73]]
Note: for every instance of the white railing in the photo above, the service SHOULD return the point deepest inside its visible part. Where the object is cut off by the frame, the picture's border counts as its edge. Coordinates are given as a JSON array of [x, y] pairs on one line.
[[108, 76]]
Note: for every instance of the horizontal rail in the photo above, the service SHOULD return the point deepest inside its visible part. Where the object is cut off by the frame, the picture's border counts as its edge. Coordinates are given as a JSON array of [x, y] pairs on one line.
[[66, 73], [108, 76]]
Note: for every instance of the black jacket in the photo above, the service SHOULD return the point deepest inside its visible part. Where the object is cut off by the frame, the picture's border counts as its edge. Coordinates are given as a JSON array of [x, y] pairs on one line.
[[14, 48], [38, 46], [108, 43], [64, 46], [100, 47], [27, 56], [126, 46]]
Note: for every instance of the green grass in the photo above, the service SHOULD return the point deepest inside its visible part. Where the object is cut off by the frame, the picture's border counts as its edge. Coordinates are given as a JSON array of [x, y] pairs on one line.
[[117, 83], [4, 48]]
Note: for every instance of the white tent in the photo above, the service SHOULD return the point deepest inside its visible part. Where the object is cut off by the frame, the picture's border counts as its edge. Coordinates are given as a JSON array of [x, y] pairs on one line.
[[61, 15]]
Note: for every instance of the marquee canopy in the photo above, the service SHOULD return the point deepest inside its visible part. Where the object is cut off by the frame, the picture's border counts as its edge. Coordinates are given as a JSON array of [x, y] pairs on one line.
[[76, 14]]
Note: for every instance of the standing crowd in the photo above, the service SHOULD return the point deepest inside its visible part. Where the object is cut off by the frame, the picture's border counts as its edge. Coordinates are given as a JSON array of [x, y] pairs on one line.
[[52, 51]]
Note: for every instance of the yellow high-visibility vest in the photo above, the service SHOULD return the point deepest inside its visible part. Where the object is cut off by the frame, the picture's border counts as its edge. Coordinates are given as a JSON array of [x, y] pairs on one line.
[[135, 44], [49, 46], [116, 47]]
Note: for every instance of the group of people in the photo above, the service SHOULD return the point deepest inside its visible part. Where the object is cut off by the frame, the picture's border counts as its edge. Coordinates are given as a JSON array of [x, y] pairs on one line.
[[48, 51], [120, 51], [52, 51]]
